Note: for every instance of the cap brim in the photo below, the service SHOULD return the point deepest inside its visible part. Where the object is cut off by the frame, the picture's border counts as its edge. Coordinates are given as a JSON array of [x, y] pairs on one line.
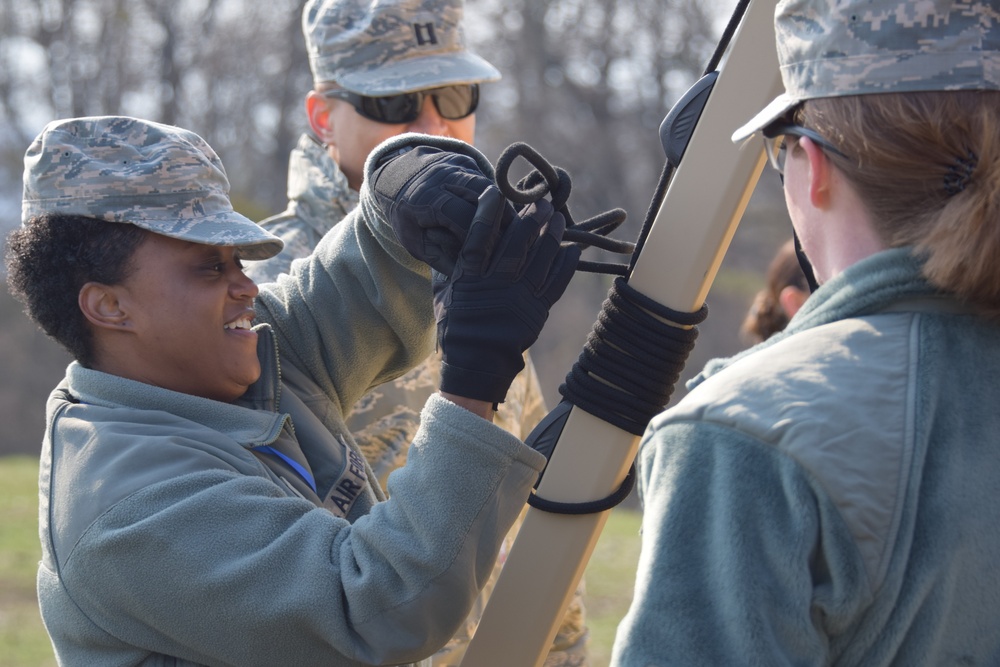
[[421, 73], [778, 107], [221, 229]]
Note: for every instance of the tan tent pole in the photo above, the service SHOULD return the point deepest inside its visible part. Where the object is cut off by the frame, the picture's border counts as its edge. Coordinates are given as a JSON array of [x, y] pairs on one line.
[[699, 214]]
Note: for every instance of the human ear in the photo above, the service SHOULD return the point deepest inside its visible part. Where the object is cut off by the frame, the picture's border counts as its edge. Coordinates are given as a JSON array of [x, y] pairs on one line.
[[820, 173], [791, 299], [318, 111], [101, 306]]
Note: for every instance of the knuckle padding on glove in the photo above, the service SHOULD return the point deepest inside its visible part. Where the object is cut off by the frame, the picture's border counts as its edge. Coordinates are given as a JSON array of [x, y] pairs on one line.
[[429, 197], [498, 299], [405, 164]]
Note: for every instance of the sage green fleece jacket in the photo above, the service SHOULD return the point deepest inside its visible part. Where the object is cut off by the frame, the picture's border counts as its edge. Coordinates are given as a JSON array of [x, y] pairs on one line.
[[831, 496], [168, 539]]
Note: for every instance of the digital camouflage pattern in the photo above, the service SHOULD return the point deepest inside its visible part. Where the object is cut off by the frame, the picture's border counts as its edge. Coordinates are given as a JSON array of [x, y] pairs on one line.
[[162, 178], [384, 422], [386, 47], [833, 48], [318, 198]]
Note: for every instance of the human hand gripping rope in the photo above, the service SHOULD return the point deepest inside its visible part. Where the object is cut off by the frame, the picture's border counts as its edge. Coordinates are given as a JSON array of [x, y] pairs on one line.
[[637, 349], [493, 306], [497, 271]]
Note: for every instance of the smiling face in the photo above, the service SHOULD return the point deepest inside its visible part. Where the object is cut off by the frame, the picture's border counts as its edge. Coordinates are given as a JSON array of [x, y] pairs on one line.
[[180, 320]]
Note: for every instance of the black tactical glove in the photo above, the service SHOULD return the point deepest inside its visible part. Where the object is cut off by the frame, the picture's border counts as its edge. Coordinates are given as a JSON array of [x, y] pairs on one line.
[[493, 307], [429, 196]]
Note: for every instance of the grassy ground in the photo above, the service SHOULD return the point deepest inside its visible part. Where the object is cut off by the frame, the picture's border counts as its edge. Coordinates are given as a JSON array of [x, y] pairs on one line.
[[23, 642], [609, 579]]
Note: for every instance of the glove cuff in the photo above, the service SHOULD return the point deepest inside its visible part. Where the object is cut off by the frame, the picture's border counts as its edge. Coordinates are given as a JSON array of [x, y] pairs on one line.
[[477, 385]]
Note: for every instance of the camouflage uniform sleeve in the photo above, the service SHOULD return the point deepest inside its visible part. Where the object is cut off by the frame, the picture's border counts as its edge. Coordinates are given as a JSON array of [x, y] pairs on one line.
[[569, 648]]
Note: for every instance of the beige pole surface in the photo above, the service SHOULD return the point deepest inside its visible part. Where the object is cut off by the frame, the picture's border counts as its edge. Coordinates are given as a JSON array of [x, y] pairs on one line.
[[701, 209]]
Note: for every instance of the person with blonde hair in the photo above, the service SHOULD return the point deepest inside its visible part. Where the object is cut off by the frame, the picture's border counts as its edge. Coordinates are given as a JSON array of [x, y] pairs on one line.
[[829, 496]]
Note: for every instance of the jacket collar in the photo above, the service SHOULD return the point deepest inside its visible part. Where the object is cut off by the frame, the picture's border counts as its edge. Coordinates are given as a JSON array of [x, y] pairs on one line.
[[318, 192], [250, 420], [867, 287]]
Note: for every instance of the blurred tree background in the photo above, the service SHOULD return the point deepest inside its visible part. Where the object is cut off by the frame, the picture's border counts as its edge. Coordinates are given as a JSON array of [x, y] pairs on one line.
[[586, 83]]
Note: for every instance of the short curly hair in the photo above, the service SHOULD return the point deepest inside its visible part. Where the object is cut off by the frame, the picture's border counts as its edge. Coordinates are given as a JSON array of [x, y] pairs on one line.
[[52, 256]]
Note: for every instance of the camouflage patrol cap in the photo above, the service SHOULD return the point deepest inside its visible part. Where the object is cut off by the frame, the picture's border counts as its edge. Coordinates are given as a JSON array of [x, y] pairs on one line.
[[164, 179], [834, 48], [386, 47]]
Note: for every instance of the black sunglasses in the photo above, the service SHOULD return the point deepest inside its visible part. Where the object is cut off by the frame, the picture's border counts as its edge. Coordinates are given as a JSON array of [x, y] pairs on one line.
[[776, 147], [452, 102]]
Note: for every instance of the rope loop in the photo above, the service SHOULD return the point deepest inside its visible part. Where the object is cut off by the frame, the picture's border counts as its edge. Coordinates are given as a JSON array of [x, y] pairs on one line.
[[555, 182]]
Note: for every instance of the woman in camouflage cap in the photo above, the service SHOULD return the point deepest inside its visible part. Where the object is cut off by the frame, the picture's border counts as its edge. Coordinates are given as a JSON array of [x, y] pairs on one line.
[[829, 496], [202, 501]]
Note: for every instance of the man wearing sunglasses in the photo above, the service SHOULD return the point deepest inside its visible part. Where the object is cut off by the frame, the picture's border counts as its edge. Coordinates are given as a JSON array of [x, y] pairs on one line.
[[381, 68]]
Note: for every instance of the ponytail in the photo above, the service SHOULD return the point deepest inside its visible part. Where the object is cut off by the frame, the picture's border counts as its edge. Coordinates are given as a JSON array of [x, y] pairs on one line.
[[927, 166]]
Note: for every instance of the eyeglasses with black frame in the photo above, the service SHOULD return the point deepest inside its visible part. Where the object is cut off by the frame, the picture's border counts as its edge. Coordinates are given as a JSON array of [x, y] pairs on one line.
[[776, 147], [452, 102]]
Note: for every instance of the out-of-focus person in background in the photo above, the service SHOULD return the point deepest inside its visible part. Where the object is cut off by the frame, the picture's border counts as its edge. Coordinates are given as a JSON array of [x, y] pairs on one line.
[[784, 292]]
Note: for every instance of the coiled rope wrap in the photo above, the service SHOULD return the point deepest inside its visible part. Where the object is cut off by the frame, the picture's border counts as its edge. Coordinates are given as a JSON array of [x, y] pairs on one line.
[[547, 179], [637, 349], [632, 359], [640, 347]]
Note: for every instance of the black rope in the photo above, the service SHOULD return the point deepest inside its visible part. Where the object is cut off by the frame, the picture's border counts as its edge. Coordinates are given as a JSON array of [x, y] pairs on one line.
[[668, 169], [727, 35], [654, 206], [632, 359], [591, 506], [637, 349], [547, 179], [624, 376], [627, 370]]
